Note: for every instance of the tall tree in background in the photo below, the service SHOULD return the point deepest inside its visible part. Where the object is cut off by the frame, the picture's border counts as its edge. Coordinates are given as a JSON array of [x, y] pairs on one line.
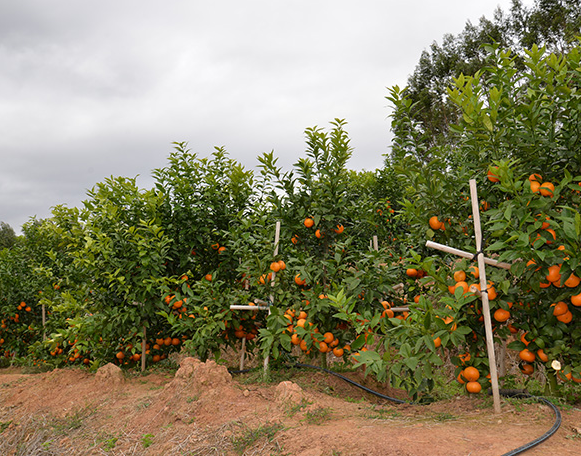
[[550, 23], [7, 236]]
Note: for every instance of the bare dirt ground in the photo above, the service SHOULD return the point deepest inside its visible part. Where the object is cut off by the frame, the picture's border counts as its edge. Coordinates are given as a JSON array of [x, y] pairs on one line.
[[202, 410]]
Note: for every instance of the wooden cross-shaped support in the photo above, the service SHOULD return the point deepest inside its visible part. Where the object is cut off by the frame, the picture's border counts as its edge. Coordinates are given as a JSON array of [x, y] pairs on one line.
[[262, 305], [482, 260]]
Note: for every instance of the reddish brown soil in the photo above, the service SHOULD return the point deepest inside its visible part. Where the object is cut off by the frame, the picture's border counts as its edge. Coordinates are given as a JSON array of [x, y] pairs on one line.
[[201, 410]]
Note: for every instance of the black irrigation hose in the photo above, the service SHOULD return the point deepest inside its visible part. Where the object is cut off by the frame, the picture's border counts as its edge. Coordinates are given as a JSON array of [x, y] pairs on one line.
[[547, 434], [348, 380], [506, 393]]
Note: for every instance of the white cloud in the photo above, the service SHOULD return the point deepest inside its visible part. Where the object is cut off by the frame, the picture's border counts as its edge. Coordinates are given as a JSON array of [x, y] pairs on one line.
[[91, 90]]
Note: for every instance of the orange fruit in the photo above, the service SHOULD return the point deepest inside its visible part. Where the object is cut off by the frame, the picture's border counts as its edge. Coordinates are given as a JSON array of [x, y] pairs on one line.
[[501, 315], [299, 281], [328, 337], [459, 276], [302, 315], [462, 285], [576, 300], [492, 176], [474, 271], [560, 308], [388, 313], [437, 342], [547, 189], [527, 355], [339, 229], [208, 277], [566, 318], [411, 272], [527, 369], [573, 281], [281, 265], [434, 223], [318, 234], [542, 356], [120, 356], [309, 222], [294, 239], [464, 358], [473, 387], [535, 178], [535, 186], [301, 322], [295, 340], [338, 352], [554, 274], [222, 249], [471, 374], [274, 266], [175, 341]]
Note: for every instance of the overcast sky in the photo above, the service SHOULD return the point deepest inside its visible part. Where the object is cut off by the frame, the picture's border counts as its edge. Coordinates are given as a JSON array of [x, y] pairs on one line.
[[94, 89]]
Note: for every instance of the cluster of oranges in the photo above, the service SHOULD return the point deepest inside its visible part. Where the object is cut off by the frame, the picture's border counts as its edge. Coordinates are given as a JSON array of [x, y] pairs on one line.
[[325, 343]]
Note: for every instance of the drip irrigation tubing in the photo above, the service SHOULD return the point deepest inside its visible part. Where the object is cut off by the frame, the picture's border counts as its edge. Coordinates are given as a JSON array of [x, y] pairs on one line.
[[506, 393]]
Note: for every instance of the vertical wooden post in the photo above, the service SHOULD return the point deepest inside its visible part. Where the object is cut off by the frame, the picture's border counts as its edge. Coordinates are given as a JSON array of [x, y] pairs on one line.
[[375, 243], [143, 348], [43, 322], [485, 302], [275, 253], [243, 354]]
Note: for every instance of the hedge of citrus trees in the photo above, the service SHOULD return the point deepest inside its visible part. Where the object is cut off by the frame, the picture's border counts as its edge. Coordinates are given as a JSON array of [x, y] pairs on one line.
[[135, 274]]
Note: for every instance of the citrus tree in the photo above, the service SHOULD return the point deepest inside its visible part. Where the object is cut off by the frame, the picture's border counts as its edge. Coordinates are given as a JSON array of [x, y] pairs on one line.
[[517, 138]]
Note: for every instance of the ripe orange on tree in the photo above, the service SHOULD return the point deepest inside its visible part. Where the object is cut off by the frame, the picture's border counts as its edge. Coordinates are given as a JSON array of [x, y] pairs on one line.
[[492, 174], [560, 308], [459, 276], [566, 318], [309, 222], [542, 355], [527, 355], [411, 272], [573, 281], [471, 374], [547, 189], [300, 281], [473, 387], [435, 224], [275, 266], [501, 315], [527, 369]]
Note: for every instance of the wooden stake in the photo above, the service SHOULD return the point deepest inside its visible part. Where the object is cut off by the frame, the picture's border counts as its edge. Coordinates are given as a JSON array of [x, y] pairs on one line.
[[143, 350], [485, 303], [375, 243], [275, 253], [43, 323], [463, 254], [243, 354]]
